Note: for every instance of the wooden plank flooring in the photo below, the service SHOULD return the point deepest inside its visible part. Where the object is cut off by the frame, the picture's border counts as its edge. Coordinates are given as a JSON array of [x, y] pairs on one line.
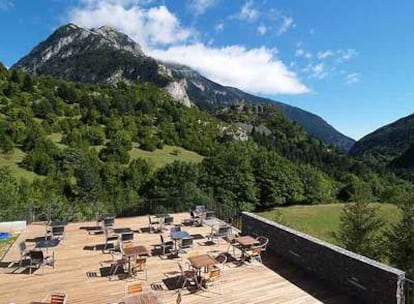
[[77, 272]]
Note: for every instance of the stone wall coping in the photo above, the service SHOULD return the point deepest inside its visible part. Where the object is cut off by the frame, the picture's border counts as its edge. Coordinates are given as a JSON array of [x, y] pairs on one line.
[[338, 249]]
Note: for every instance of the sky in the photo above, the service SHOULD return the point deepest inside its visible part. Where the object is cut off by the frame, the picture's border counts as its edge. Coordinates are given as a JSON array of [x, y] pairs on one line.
[[349, 62]]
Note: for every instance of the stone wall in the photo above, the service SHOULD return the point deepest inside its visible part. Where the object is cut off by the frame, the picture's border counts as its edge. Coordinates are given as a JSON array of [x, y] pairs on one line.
[[371, 281]]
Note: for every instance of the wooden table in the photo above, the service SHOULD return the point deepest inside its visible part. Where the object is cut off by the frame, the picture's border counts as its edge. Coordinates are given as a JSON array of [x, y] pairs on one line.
[[246, 242], [143, 298], [202, 260], [132, 251]]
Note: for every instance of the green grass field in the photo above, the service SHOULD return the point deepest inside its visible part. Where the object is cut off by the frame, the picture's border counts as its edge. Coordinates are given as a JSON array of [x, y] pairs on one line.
[[321, 220], [12, 160], [166, 155]]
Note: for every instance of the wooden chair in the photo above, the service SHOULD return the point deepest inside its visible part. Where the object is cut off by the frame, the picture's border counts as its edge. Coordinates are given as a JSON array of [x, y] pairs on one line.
[[134, 288], [54, 298], [140, 265], [213, 278], [255, 253], [193, 253], [38, 259]]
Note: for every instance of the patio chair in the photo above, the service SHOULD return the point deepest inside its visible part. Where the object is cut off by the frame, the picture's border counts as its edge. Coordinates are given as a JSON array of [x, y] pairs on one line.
[[223, 232], [134, 288], [187, 276], [109, 238], [24, 252], [125, 238], [38, 259], [221, 261], [108, 222], [263, 241], [233, 243], [169, 220], [213, 278], [209, 215], [200, 209], [164, 246], [140, 265], [255, 253], [186, 244], [153, 224], [116, 262], [57, 232], [54, 298], [193, 253], [175, 228], [196, 219]]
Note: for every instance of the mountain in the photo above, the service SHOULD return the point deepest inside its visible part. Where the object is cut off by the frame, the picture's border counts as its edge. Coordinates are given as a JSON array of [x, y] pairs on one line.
[[208, 94], [388, 142], [91, 55], [106, 55]]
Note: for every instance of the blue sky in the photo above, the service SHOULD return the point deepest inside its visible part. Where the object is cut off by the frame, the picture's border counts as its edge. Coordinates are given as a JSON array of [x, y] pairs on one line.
[[347, 61]]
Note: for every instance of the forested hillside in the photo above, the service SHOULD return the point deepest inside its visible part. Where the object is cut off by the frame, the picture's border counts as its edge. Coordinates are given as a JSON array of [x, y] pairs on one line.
[[79, 142]]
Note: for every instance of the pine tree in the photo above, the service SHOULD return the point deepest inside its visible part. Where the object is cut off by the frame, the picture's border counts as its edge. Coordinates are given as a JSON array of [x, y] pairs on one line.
[[360, 229], [400, 240]]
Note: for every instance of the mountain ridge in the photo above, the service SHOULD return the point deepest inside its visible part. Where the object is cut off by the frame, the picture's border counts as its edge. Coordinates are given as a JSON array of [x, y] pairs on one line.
[[72, 53]]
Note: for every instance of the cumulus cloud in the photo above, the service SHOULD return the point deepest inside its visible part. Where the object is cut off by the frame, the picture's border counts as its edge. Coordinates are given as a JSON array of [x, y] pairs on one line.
[[352, 78], [255, 70], [199, 7], [156, 25], [325, 54], [160, 33], [318, 70]]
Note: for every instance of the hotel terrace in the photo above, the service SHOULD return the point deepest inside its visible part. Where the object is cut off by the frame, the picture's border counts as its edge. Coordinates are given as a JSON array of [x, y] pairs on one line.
[[83, 271]]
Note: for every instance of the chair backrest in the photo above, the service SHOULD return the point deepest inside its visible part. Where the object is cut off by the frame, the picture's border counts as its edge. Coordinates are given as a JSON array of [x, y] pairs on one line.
[[168, 220], [200, 208], [224, 230], [58, 298], [263, 241], [209, 215], [36, 255], [134, 288], [140, 263], [193, 253], [221, 259], [109, 221], [22, 246], [214, 275], [128, 236], [175, 228], [149, 219], [186, 243], [58, 229]]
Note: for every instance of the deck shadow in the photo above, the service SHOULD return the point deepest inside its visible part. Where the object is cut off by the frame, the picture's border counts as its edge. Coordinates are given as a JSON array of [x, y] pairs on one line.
[[98, 247], [307, 281]]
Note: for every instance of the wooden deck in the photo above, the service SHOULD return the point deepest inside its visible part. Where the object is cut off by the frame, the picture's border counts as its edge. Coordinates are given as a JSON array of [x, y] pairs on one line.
[[77, 272]]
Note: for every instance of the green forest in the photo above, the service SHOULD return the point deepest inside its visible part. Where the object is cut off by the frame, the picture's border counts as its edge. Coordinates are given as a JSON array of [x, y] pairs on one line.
[[75, 142]]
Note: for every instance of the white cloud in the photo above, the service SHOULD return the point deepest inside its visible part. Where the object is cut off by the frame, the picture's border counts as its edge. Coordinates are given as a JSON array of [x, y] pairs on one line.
[[149, 27], [219, 27], [325, 54], [261, 30], [255, 70], [318, 70], [300, 52], [346, 54], [199, 7], [6, 5], [286, 24], [352, 78], [247, 12]]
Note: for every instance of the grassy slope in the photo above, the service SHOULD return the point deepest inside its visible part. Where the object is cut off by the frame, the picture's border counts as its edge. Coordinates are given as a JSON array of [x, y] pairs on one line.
[[12, 161], [321, 220], [160, 158]]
